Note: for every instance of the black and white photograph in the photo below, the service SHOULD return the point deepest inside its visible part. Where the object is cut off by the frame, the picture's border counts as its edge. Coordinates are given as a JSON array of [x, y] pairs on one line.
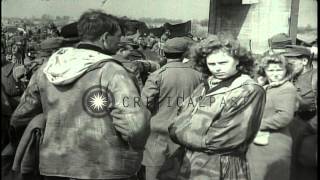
[[159, 89]]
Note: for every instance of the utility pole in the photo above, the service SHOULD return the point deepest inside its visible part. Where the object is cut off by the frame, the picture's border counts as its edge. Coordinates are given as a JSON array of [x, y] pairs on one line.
[[212, 25], [293, 26]]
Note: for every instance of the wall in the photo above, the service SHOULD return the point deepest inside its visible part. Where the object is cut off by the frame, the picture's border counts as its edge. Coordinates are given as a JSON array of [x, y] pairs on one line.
[[256, 22], [308, 10]]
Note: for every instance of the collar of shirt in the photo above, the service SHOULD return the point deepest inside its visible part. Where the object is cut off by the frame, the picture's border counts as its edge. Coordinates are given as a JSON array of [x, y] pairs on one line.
[[213, 84]]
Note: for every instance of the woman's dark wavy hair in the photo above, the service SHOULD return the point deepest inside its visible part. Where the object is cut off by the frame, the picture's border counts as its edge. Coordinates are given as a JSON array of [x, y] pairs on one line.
[[93, 23], [212, 44]]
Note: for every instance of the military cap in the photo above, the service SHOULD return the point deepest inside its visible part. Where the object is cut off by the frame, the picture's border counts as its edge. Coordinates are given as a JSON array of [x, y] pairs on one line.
[[295, 51], [279, 41], [70, 30], [51, 43], [177, 45]]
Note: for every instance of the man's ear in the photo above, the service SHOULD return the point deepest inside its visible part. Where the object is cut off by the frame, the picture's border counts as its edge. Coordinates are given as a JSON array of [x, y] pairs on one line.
[[104, 36], [305, 61]]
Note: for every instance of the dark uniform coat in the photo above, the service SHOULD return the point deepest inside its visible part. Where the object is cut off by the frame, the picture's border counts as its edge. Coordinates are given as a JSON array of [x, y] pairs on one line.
[[164, 92], [304, 128]]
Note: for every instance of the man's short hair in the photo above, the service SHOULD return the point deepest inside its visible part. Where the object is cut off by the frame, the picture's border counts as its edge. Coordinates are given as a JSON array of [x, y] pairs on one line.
[[92, 24]]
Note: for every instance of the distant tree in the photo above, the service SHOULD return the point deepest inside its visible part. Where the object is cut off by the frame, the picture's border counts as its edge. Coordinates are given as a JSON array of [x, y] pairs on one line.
[[66, 18], [46, 17]]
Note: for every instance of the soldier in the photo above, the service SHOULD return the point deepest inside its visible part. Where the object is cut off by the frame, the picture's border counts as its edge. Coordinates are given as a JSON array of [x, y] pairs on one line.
[[11, 92], [47, 47], [134, 60], [129, 50], [151, 40], [164, 91], [304, 126], [146, 51]]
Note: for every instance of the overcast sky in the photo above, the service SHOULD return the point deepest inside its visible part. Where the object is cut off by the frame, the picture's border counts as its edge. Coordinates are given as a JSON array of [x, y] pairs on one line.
[[172, 9]]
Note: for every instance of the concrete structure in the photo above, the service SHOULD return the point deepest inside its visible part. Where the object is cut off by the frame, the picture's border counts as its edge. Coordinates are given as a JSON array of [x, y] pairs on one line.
[[253, 22]]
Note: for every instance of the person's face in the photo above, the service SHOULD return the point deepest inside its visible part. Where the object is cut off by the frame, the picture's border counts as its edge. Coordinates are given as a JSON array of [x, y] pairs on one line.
[[14, 49], [221, 65], [298, 64], [125, 51], [140, 39], [275, 72], [151, 41], [111, 41], [142, 42]]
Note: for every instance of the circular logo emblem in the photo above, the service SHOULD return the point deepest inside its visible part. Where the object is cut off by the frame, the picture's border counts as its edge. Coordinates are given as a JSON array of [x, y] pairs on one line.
[[97, 101]]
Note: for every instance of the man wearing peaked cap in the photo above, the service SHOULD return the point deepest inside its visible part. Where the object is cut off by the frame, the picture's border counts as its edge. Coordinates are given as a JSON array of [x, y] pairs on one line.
[[296, 50], [304, 126], [69, 30], [163, 93], [70, 34], [178, 45], [278, 43], [300, 57]]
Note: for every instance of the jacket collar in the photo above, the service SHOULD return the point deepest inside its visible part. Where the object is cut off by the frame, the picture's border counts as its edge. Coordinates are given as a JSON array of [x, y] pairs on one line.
[[225, 83], [237, 82], [275, 84]]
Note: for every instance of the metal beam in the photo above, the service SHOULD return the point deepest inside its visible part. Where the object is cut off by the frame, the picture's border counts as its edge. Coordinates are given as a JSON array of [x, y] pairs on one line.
[[293, 27]]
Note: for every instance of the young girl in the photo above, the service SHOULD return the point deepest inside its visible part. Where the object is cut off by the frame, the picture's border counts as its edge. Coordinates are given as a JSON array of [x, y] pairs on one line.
[[222, 116]]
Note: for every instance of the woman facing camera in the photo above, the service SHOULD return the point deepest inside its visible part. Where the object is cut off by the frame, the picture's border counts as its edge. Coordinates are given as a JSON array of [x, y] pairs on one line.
[[220, 119], [269, 155]]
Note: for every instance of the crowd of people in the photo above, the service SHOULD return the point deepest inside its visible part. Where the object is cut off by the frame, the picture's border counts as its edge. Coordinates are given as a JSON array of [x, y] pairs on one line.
[[99, 100]]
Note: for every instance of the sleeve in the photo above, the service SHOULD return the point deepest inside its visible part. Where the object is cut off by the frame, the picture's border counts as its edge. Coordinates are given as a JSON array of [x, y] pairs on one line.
[[285, 105], [314, 82], [130, 116], [29, 106], [150, 92]]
